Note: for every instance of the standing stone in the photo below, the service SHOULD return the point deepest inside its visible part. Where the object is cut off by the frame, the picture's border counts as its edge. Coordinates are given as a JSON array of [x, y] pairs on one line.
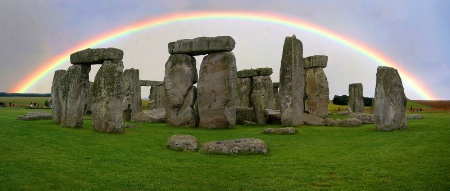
[[56, 100], [390, 101], [180, 76], [216, 91], [356, 100], [262, 85], [88, 99], [292, 82], [243, 92], [107, 98], [157, 97], [132, 90], [74, 89], [317, 92], [276, 97], [257, 103]]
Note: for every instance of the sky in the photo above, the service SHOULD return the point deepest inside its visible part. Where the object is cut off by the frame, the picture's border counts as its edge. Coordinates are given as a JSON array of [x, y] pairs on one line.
[[413, 33]]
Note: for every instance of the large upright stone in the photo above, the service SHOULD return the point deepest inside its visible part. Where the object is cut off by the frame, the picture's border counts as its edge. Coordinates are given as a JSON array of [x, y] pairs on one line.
[[202, 45], [317, 92], [262, 85], [157, 97], [316, 61], [390, 101], [132, 90], [258, 109], [74, 89], [96, 56], [107, 98], [356, 100], [180, 76], [276, 97], [292, 82], [56, 99], [243, 92], [216, 91]]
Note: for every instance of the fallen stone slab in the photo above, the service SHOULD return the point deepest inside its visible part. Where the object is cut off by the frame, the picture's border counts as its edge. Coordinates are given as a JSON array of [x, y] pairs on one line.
[[248, 73], [182, 143], [312, 120], [364, 118], [34, 115], [281, 131], [150, 116], [202, 45], [96, 55], [316, 61], [245, 146], [414, 116], [348, 122]]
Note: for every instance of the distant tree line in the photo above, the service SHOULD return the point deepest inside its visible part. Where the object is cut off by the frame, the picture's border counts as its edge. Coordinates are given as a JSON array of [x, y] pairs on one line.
[[6, 94], [343, 100]]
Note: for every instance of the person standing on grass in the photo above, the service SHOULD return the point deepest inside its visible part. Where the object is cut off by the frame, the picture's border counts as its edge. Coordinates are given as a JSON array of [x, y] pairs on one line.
[[9, 104], [14, 104]]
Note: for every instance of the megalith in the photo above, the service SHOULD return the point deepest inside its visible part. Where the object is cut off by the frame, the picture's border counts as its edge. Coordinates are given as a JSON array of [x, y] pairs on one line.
[[107, 98], [389, 101], [96, 55], [316, 86], [216, 91], [254, 81], [356, 100], [257, 103], [132, 89], [243, 92], [157, 97], [56, 99], [263, 86], [202, 45], [292, 82], [73, 92], [180, 92], [276, 98]]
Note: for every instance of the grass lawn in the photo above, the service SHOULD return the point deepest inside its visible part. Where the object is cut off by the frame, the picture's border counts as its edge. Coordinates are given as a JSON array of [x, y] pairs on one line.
[[39, 155]]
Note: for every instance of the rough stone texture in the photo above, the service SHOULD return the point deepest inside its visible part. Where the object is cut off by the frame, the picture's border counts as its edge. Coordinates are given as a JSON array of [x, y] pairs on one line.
[[249, 73], [316, 61], [364, 118], [183, 143], [202, 45], [132, 90], [96, 56], [87, 109], [347, 111], [273, 116], [243, 146], [414, 116], [107, 97], [317, 92], [389, 101], [258, 109], [157, 98], [150, 116], [56, 99], [348, 122], [34, 115], [262, 85], [74, 89], [150, 83], [356, 100], [276, 98], [217, 91], [331, 122], [281, 131], [292, 84], [312, 120], [180, 76], [243, 92], [244, 114]]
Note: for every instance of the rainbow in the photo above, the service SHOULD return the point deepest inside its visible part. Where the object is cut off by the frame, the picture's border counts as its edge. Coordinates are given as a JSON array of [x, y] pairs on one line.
[[50, 65]]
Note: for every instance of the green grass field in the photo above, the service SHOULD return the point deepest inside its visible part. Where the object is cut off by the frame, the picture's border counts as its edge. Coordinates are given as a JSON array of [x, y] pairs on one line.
[[39, 155]]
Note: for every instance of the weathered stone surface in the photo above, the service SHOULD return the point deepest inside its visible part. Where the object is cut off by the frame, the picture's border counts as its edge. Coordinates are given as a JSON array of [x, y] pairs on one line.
[[258, 109], [56, 98], [317, 92], [182, 143], [87, 109], [244, 114], [292, 84], [276, 84], [281, 131], [331, 122], [150, 116], [262, 85], [243, 146], [356, 100], [316, 61], [74, 89], [273, 116], [348, 122], [132, 89], [202, 45], [157, 98], [96, 56], [313, 120], [180, 76], [249, 73], [389, 101], [347, 111], [217, 91], [150, 83], [276, 98], [364, 118], [414, 116], [243, 92], [107, 97], [35, 115]]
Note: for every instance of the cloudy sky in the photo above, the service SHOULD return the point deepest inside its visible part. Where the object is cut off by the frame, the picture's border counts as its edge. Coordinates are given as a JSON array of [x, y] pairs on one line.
[[414, 34]]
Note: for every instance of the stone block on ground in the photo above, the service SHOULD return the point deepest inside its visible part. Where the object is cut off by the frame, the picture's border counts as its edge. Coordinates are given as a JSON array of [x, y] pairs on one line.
[[150, 116], [34, 115], [96, 56], [243, 146], [414, 116], [183, 143], [313, 120], [202, 45], [364, 118], [281, 131]]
